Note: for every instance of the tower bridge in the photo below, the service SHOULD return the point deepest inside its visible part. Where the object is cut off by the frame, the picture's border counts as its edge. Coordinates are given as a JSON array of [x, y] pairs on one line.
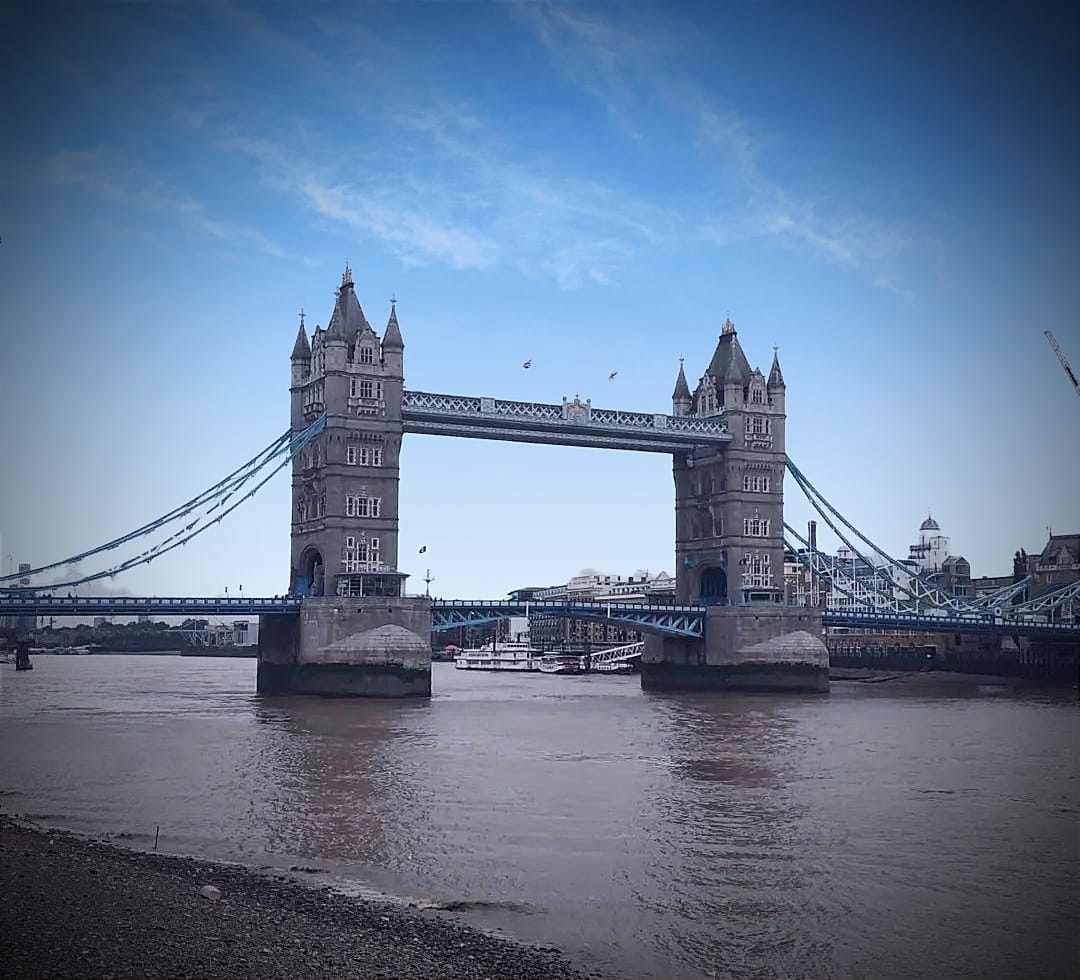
[[357, 629], [347, 626]]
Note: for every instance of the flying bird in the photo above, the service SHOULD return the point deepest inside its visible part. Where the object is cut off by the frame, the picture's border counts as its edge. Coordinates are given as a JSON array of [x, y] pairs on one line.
[[611, 377], [423, 548], [528, 363]]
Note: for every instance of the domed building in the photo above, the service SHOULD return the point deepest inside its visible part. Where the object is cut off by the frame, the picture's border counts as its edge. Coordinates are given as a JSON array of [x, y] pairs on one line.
[[929, 554], [930, 558]]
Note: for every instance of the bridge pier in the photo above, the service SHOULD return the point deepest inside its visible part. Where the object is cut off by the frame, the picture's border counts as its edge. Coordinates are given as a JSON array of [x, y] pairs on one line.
[[342, 647], [745, 648]]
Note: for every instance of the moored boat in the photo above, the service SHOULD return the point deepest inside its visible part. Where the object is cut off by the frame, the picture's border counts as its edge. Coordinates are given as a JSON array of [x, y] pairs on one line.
[[499, 655], [560, 663]]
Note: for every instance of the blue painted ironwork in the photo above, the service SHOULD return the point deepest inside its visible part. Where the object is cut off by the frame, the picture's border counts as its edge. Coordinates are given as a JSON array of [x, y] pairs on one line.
[[574, 423], [684, 621], [53, 605], [952, 622], [910, 582], [687, 621]]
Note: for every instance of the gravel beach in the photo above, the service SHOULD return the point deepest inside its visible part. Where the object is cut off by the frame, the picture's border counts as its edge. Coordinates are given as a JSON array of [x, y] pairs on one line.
[[73, 907]]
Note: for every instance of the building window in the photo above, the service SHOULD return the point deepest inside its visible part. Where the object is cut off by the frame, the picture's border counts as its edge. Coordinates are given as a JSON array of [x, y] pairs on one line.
[[371, 389], [367, 355], [350, 455], [755, 527], [356, 506], [756, 483], [371, 455], [354, 387], [360, 555], [757, 396], [756, 570], [758, 425]]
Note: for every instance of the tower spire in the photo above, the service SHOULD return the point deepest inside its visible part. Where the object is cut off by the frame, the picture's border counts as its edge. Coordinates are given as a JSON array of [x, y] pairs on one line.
[[776, 377], [301, 349], [392, 337]]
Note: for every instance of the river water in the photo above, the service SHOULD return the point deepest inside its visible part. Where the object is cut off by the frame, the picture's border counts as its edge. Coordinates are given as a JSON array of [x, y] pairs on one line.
[[903, 829]]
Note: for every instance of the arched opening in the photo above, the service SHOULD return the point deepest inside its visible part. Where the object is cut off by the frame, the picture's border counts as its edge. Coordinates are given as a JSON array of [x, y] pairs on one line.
[[713, 587], [308, 577]]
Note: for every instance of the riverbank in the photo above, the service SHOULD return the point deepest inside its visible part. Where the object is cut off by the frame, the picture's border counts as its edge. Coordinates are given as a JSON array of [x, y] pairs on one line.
[[74, 907], [926, 679]]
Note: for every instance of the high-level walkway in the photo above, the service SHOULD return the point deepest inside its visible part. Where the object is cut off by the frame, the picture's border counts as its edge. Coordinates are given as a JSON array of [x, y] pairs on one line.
[[574, 423]]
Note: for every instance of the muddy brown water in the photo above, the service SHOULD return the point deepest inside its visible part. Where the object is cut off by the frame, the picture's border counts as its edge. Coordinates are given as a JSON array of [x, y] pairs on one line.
[[902, 829]]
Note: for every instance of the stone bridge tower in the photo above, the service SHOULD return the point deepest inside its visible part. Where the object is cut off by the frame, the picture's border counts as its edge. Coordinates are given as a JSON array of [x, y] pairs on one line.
[[345, 482], [729, 510], [357, 633], [729, 548]]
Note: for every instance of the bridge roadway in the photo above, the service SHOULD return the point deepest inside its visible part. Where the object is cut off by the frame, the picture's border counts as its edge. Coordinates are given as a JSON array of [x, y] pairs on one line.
[[670, 620]]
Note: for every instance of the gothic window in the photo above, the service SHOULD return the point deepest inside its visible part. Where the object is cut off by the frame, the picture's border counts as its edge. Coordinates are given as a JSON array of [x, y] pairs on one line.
[[756, 483], [756, 570], [756, 527], [757, 396], [371, 455], [351, 455], [367, 355], [356, 506], [354, 387]]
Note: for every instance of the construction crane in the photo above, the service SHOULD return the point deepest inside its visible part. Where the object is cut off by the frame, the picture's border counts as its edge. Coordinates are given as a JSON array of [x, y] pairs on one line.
[[1064, 363]]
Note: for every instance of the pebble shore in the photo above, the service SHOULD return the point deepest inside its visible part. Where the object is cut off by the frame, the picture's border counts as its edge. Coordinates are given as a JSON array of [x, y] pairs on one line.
[[73, 907]]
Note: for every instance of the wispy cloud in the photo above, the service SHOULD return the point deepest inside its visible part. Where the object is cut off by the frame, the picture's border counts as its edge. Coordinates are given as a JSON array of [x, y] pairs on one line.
[[117, 180], [623, 67], [477, 209]]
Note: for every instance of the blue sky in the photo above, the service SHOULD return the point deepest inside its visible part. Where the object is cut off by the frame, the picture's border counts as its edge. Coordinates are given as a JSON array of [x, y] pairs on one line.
[[885, 191]]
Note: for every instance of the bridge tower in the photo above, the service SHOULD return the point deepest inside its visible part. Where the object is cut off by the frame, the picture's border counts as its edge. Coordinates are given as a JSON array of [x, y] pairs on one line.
[[357, 633], [729, 510], [729, 550], [345, 483]]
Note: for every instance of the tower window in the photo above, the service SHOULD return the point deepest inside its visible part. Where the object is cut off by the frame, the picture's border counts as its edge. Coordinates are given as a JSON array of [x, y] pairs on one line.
[[356, 506], [756, 483], [350, 455], [756, 569], [756, 527], [367, 355]]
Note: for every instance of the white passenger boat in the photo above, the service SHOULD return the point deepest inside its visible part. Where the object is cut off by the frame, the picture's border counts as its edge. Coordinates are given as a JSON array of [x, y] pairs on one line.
[[500, 655], [561, 663]]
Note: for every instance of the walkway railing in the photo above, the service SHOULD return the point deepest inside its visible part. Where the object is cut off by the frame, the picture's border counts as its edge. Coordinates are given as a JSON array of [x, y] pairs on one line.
[[574, 423]]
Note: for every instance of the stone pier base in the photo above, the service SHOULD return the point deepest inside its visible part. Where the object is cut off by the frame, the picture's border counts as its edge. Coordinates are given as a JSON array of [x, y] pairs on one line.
[[745, 648], [348, 648]]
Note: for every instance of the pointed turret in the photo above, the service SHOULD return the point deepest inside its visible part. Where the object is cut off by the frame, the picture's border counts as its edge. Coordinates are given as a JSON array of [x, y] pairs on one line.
[[729, 364], [680, 397], [348, 318], [392, 338], [776, 378], [301, 349]]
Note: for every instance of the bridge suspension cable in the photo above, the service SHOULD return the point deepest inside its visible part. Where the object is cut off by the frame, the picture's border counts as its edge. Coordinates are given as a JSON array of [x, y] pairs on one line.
[[826, 569], [912, 584], [288, 445]]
